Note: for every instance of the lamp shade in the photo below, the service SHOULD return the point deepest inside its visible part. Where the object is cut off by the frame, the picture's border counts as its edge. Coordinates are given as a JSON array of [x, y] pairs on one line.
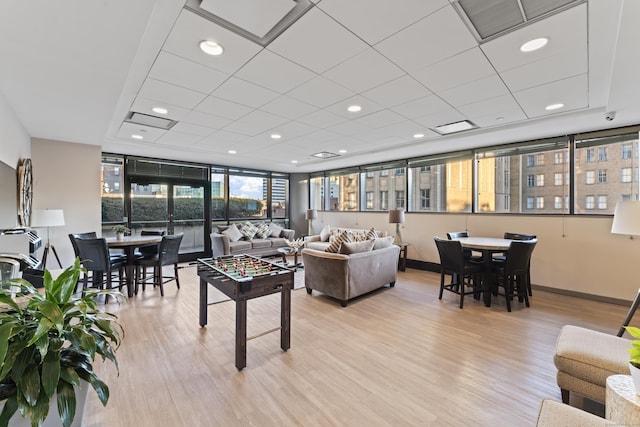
[[396, 216], [626, 218], [311, 214], [47, 218]]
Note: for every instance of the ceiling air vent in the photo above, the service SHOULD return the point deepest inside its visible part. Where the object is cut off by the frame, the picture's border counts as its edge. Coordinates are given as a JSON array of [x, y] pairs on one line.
[[148, 120]]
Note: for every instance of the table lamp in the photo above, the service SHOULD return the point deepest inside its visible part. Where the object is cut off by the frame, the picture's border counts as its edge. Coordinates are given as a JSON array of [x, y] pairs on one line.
[[310, 216], [48, 218], [396, 216]]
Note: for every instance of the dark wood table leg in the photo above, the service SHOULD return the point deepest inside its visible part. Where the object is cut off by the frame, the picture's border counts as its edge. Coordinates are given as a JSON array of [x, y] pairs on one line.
[[285, 319], [204, 290], [241, 334]]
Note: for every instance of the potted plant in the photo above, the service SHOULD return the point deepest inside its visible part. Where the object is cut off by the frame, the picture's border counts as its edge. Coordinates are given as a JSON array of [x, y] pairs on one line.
[[48, 342], [120, 230], [634, 356]]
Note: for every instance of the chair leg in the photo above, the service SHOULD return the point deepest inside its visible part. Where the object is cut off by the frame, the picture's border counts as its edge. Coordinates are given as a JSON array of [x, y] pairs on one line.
[[159, 280], [508, 292], [175, 272], [441, 284], [565, 396]]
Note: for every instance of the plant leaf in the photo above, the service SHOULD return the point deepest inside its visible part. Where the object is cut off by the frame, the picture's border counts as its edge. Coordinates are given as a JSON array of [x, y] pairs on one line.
[[101, 389], [5, 333], [29, 384], [50, 372], [10, 408], [66, 403]]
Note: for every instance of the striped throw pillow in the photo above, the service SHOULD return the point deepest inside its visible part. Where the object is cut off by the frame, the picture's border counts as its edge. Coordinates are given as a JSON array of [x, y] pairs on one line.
[[334, 247]]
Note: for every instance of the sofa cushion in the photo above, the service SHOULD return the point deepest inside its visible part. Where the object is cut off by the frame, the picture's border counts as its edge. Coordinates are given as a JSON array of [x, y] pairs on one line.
[[261, 243], [275, 230], [382, 242], [263, 231], [278, 242], [232, 233], [325, 233], [349, 248], [248, 230], [334, 247], [239, 246]]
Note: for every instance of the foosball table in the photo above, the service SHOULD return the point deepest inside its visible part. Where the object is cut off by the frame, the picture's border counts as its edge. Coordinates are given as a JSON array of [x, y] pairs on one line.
[[243, 277]]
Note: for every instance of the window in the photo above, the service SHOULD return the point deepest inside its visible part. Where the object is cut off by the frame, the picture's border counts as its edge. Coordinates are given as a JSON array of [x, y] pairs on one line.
[[369, 199], [589, 202], [425, 198], [247, 196], [316, 193], [399, 199], [539, 202], [112, 197], [384, 200], [557, 178], [116, 170], [400, 171], [369, 174], [557, 202], [531, 161], [529, 202], [539, 159], [531, 180], [602, 202], [378, 181], [343, 188], [626, 174], [602, 154], [217, 195], [627, 151], [426, 169], [557, 158], [590, 155], [279, 195], [384, 172], [590, 177], [602, 176], [540, 180]]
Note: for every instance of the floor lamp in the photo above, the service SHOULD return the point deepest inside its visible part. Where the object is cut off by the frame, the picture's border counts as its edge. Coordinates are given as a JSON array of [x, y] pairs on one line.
[[310, 216], [396, 216], [48, 218], [626, 220]]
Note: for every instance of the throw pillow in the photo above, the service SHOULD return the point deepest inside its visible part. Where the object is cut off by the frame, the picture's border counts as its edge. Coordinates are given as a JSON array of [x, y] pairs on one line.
[[334, 235], [275, 230], [248, 230], [349, 248], [264, 230], [358, 236], [371, 234], [325, 233], [334, 247], [233, 233], [382, 242]]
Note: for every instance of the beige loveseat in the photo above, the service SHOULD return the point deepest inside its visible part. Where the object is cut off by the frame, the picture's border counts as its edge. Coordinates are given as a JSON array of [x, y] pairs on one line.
[[322, 241], [226, 241], [346, 276]]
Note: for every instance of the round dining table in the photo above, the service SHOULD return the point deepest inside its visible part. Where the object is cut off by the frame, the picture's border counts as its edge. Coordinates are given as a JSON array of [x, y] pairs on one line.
[[129, 244]]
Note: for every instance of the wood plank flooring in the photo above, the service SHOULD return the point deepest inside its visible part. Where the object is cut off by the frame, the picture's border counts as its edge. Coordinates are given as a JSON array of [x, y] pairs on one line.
[[398, 357]]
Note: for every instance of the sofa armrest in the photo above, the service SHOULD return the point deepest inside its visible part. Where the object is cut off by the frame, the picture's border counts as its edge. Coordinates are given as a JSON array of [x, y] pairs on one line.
[[313, 238], [220, 245], [288, 234]]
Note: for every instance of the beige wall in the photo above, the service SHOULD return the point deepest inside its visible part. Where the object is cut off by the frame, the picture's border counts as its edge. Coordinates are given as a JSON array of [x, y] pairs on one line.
[[67, 176], [576, 253], [15, 143]]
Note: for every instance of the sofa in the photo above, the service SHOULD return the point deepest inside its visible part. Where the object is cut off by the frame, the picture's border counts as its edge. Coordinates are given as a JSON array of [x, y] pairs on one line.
[[328, 234], [257, 239], [345, 276]]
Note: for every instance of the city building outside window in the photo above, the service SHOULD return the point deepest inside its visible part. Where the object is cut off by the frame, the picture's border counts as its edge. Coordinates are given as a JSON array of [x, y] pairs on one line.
[[369, 197], [399, 199], [557, 178], [590, 177], [626, 174], [557, 202], [384, 200], [627, 151], [602, 202], [531, 180], [425, 198], [590, 155], [539, 202], [529, 202], [589, 202], [602, 176], [540, 180], [602, 154], [557, 158]]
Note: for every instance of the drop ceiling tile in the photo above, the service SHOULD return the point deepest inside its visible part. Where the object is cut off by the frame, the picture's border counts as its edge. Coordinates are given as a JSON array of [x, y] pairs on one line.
[[192, 129], [290, 130], [306, 42], [421, 107], [206, 120], [401, 131], [255, 122], [182, 72], [351, 128], [421, 44], [439, 118], [171, 94], [321, 119], [383, 17], [398, 91], [274, 72], [457, 70], [340, 108], [494, 107], [380, 119], [145, 106], [244, 93], [486, 120], [223, 108], [364, 71], [148, 133], [190, 29], [320, 92], [566, 31], [488, 87], [572, 92], [288, 107], [178, 139]]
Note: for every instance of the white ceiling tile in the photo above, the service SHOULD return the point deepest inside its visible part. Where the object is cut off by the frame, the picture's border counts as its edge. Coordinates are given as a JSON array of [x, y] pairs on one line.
[[288, 107], [401, 131], [145, 106], [178, 139], [566, 31], [185, 73], [494, 107], [421, 44], [572, 92], [192, 129], [457, 70], [274, 72], [317, 42], [364, 71], [506, 116], [383, 17], [380, 119], [223, 108], [245, 93], [321, 119], [340, 108], [290, 130], [320, 92], [398, 91], [439, 118], [421, 107], [206, 120], [190, 29], [149, 134], [171, 94], [488, 87], [255, 122], [351, 128]]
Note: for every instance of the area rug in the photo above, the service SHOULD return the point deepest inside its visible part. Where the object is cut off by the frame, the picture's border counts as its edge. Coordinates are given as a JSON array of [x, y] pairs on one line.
[[214, 296]]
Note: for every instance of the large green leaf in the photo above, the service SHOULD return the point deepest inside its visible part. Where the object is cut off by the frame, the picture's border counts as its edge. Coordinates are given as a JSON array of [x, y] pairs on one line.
[[44, 326], [5, 333], [52, 312], [66, 403], [50, 372], [29, 385], [10, 408], [101, 389]]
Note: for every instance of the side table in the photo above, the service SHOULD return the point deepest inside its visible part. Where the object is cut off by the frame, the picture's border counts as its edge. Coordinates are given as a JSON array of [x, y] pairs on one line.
[[402, 261], [287, 251], [622, 402]]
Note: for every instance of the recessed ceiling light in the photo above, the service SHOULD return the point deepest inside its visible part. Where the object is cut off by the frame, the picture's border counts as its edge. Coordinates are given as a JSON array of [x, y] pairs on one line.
[[232, 151], [276, 136], [455, 127], [325, 155], [136, 136], [294, 161], [418, 135], [499, 118], [354, 108], [551, 107], [211, 48], [342, 151], [534, 44], [160, 110]]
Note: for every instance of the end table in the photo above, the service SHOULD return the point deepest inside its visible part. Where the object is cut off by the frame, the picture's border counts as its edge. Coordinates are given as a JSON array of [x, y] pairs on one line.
[[622, 402], [402, 260]]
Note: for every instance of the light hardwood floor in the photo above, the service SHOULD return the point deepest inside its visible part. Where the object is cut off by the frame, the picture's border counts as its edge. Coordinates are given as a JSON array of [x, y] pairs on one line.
[[399, 357]]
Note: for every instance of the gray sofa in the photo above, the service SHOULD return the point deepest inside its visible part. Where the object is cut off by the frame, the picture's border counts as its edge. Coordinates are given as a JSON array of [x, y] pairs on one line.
[[346, 276], [223, 243]]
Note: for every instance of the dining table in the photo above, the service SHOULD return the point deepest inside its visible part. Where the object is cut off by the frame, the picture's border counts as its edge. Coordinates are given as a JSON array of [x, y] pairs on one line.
[[129, 245], [487, 246]]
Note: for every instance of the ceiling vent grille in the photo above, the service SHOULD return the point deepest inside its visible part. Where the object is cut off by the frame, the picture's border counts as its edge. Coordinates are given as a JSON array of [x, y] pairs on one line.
[[493, 18], [148, 120]]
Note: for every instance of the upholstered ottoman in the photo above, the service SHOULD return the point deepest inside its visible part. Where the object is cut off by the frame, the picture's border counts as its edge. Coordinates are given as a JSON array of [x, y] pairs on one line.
[[585, 359], [556, 414]]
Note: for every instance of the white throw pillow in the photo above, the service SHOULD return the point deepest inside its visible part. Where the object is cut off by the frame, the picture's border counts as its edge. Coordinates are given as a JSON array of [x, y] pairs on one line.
[[275, 230], [325, 233], [233, 233]]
